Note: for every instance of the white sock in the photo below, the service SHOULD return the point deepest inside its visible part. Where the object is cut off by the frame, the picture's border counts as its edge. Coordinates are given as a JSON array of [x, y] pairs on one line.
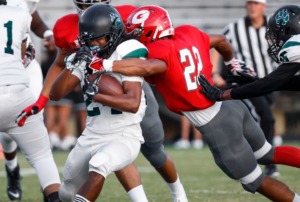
[[297, 198], [79, 198], [137, 194], [11, 164], [177, 190]]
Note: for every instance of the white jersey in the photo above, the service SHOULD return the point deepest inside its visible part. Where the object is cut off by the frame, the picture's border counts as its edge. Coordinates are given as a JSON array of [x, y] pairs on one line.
[[14, 25], [105, 120], [290, 51]]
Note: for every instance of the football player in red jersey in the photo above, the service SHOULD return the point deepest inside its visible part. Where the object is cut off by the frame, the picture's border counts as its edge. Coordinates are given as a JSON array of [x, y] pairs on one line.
[[65, 33], [176, 57]]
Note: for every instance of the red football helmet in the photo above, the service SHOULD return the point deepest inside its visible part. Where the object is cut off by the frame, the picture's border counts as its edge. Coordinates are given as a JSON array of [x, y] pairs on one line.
[[80, 3], [149, 23]]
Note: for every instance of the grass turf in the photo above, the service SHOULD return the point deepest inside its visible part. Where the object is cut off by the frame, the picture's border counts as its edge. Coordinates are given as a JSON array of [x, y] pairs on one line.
[[202, 179]]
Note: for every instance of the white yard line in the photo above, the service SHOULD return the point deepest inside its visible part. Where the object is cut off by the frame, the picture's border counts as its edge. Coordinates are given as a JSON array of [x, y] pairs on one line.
[[30, 171]]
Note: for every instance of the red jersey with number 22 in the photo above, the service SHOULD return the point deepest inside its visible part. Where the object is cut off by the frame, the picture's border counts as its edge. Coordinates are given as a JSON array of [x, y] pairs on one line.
[[66, 29], [187, 54]]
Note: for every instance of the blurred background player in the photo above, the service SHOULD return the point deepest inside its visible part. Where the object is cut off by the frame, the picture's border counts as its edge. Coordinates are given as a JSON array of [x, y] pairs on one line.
[[247, 38], [65, 33], [33, 139]]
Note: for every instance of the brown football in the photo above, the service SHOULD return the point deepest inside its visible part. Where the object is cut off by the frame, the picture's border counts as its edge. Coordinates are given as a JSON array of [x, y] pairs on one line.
[[109, 85]]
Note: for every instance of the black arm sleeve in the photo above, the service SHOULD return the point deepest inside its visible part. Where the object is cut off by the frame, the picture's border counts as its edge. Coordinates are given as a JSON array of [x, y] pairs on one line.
[[283, 78]]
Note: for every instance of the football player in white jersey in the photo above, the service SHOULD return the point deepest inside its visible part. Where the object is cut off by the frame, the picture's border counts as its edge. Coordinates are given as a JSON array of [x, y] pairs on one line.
[[34, 72], [15, 94], [112, 137]]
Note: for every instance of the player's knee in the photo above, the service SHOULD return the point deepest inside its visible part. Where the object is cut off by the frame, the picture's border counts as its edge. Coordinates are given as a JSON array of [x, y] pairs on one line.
[[155, 154], [66, 193], [265, 154], [253, 187], [99, 163], [8, 144], [253, 181]]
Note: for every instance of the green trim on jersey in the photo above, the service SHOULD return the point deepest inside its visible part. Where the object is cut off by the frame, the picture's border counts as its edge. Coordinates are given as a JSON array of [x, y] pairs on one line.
[[290, 44], [138, 53]]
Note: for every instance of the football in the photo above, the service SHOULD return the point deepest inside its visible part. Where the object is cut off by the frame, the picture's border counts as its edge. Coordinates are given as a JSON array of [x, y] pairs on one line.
[[109, 85]]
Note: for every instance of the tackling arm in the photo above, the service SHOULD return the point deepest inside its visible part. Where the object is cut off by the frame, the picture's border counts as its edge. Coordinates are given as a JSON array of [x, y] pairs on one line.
[[283, 78], [139, 67]]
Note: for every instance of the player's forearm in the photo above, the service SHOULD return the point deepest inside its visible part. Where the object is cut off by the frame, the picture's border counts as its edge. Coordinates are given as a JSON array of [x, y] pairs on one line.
[[52, 74], [37, 25], [130, 67], [139, 67], [123, 102], [62, 85], [222, 45]]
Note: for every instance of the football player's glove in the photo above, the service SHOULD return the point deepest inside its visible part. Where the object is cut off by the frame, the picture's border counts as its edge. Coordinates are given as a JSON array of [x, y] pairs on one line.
[[32, 109], [29, 55], [84, 54], [211, 92], [90, 88], [95, 66], [240, 73]]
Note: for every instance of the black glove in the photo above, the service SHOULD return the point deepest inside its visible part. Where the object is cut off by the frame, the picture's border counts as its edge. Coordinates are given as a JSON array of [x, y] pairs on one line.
[[90, 88], [82, 55], [240, 73], [211, 92]]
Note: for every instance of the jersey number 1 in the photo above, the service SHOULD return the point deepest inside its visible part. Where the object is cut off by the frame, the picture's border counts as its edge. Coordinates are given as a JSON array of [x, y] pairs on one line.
[[8, 48]]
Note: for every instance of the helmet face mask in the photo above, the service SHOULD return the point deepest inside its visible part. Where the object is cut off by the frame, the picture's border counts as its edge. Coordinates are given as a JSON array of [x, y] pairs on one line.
[[101, 21], [149, 23], [282, 25], [80, 3]]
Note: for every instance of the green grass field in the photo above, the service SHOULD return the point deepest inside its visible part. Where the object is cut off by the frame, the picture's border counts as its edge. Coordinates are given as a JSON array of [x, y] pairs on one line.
[[202, 179]]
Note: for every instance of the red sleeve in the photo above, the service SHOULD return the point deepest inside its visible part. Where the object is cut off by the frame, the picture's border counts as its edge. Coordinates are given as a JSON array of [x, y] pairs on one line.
[[125, 11]]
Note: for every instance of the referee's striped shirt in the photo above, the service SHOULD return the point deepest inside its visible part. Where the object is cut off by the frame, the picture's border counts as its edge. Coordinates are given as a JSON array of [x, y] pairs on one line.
[[250, 45]]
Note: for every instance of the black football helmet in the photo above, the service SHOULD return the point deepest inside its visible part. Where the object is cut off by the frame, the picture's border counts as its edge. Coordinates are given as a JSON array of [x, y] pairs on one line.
[[3, 2], [282, 25], [98, 21], [80, 3]]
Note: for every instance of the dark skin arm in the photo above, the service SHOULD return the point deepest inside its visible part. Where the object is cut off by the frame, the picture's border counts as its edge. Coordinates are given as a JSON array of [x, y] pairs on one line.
[[128, 102], [63, 85], [139, 67], [222, 45], [39, 27], [56, 68], [151, 66]]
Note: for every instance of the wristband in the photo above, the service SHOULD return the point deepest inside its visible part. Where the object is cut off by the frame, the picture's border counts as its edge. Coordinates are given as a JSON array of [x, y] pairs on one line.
[[229, 62], [42, 100], [107, 65], [48, 33]]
